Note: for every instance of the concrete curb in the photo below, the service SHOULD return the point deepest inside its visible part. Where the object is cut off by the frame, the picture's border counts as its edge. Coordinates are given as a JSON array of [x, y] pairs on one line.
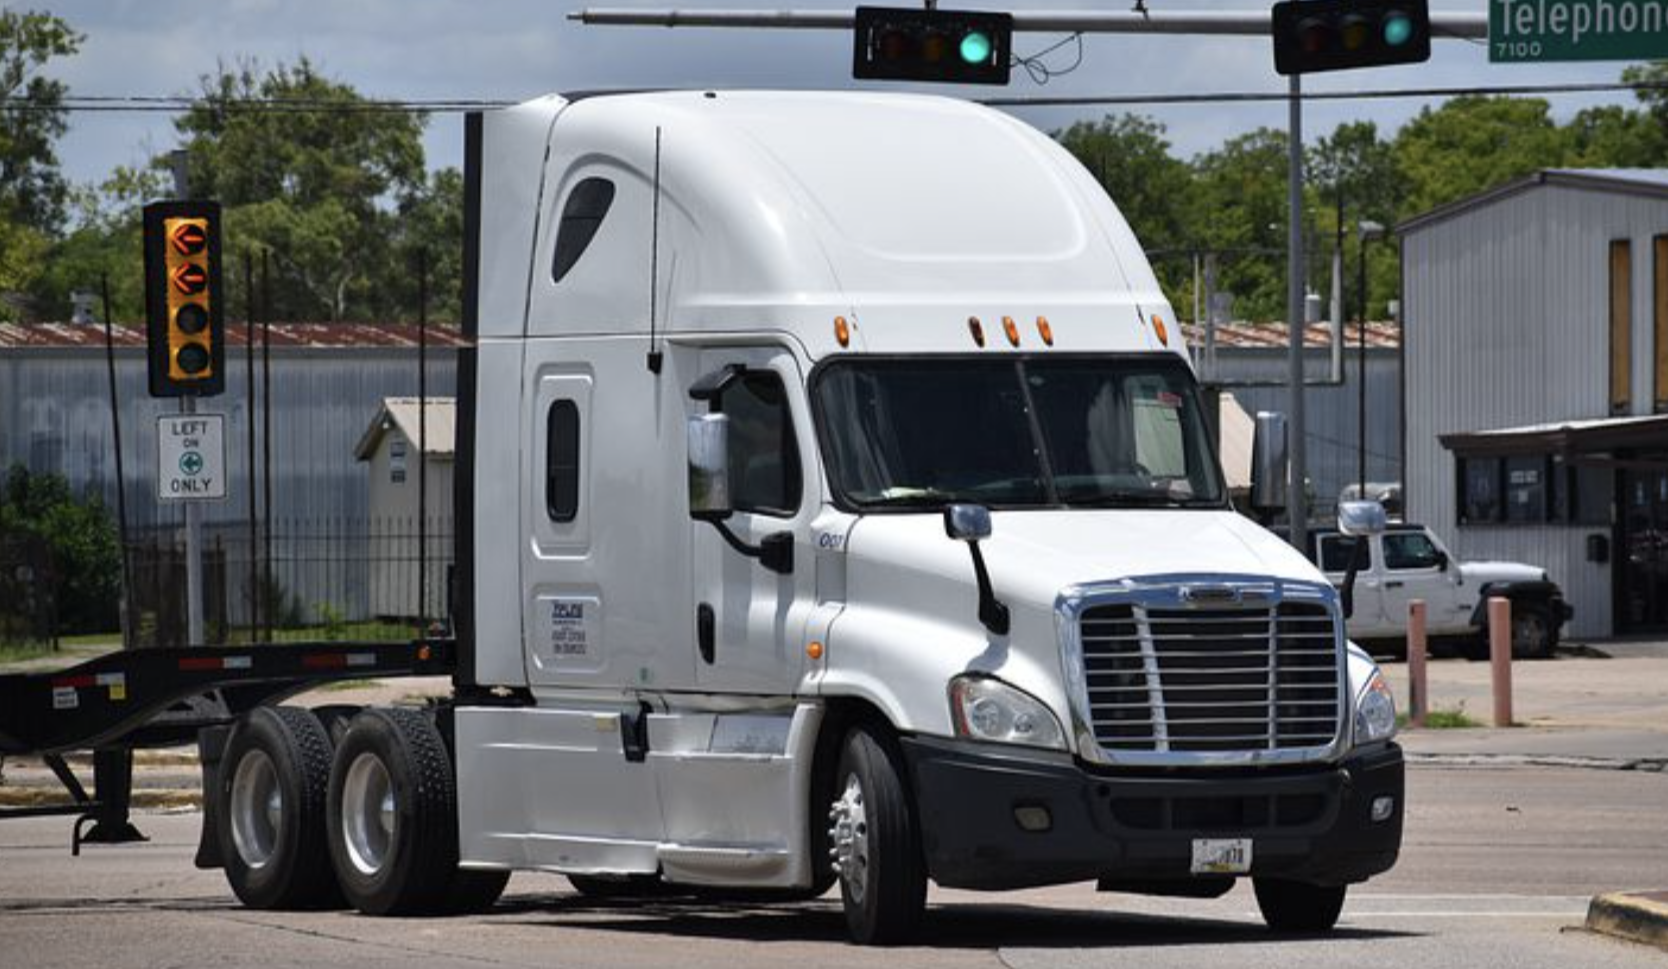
[[1655, 764], [1638, 916]]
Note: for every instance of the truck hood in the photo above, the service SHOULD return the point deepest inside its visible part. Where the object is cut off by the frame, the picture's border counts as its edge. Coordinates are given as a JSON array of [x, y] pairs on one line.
[[1034, 555], [1484, 572]]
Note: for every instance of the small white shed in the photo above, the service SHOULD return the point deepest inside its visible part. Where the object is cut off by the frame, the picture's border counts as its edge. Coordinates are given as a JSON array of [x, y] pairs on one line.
[[410, 453]]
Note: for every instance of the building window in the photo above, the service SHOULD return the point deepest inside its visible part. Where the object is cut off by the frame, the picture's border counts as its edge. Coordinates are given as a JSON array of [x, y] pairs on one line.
[[1594, 490], [1479, 496], [581, 218], [1526, 489], [1621, 326], [764, 455], [396, 460], [561, 472]]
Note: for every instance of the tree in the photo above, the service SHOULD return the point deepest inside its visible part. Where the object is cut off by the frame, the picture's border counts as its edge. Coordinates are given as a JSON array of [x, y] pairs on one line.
[[312, 173], [1239, 209], [1614, 137], [1130, 157], [1474, 143], [1356, 178], [32, 117], [83, 550]]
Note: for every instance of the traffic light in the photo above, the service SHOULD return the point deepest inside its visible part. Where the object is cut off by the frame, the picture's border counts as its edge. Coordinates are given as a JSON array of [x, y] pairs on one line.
[[183, 294], [951, 46], [1311, 36]]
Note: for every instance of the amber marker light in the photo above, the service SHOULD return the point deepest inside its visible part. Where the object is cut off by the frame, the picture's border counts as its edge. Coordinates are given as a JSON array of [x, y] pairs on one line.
[[842, 331], [977, 329], [1158, 327], [1045, 331], [814, 650], [423, 653], [1011, 329]]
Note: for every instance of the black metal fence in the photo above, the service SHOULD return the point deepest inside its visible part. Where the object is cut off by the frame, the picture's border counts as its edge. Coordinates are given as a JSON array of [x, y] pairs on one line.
[[28, 604], [360, 579]]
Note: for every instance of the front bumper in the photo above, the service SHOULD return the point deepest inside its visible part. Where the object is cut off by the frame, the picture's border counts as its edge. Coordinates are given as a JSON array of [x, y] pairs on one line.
[[1308, 823]]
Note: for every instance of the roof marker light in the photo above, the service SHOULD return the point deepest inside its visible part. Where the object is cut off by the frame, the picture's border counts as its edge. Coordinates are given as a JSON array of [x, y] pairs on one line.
[[842, 331], [1011, 329], [1045, 331], [977, 329], [1158, 327]]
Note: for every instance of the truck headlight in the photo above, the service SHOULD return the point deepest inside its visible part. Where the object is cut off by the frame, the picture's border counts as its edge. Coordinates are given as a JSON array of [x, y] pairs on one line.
[[992, 711], [1375, 711]]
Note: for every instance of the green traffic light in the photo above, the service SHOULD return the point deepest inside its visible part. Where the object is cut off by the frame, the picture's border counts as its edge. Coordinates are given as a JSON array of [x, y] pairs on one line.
[[975, 47], [1398, 29]]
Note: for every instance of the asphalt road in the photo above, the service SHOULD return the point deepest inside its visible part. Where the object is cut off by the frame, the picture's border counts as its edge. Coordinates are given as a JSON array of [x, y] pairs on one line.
[[1497, 870]]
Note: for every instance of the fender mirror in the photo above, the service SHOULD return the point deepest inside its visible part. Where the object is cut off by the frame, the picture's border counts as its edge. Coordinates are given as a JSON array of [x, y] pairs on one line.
[[971, 524], [709, 468]]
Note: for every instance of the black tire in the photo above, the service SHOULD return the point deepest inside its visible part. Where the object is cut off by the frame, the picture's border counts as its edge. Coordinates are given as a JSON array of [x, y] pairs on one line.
[[336, 717], [1533, 634], [393, 814], [474, 891], [883, 876], [1289, 906], [272, 810]]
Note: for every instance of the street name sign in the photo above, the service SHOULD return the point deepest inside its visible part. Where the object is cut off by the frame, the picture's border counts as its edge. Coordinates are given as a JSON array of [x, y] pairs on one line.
[[191, 457], [1534, 31]]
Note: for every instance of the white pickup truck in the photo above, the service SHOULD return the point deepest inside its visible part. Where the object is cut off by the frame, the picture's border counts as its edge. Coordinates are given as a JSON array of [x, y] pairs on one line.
[[1408, 562]]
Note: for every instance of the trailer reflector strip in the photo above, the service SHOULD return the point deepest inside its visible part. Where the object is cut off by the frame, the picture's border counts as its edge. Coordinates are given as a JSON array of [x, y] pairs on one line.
[[111, 679], [217, 663], [361, 659], [324, 661], [73, 682]]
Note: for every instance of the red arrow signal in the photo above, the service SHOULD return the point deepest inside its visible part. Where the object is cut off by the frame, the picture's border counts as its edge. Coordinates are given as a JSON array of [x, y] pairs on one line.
[[190, 279], [188, 239]]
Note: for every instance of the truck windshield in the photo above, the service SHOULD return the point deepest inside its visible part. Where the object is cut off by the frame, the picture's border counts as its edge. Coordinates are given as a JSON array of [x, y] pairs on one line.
[[1104, 432]]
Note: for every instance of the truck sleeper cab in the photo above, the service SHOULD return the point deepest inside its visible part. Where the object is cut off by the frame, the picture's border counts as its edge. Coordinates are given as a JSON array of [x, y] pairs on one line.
[[838, 506]]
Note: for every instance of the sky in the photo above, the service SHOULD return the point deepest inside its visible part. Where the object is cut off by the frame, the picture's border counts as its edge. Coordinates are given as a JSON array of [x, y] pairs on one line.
[[515, 49]]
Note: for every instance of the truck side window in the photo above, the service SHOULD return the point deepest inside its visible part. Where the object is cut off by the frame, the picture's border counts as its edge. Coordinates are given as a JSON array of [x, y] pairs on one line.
[[561, 471], [1335, 553], [764, 456], [1409, 550], [581, 218]]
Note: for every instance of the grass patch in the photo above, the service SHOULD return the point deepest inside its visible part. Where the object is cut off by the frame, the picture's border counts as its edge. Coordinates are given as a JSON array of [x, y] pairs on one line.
[[1455, 719], [22, 652]]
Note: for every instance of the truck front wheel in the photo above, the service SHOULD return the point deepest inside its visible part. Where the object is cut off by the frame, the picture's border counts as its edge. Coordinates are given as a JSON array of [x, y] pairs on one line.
[[1289, 906], [1533, 635], [875, 841]]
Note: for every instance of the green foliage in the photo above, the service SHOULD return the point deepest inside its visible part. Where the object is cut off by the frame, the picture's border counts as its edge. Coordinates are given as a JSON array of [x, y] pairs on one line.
[[1475, 143], [83, 551], [1240, 210], [32, 117]]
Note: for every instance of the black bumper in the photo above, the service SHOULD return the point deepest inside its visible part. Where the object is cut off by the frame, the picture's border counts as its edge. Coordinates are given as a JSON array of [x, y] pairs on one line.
[[1309, 823]]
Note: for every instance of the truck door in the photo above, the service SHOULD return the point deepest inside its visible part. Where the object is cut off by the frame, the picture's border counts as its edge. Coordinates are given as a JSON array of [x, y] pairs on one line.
[[748, 619], [1368, 621], [1414, 568]]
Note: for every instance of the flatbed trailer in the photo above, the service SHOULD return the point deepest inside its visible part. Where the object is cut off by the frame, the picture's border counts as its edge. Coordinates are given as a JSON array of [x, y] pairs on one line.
[[136, 699]]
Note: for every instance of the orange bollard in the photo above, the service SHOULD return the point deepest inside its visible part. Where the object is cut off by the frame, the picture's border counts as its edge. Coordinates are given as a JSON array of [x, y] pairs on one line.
[[1500, 657], [1418, 701]]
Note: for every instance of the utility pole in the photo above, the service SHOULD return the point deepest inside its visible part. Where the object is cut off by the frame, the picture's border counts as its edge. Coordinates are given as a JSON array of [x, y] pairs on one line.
[[1297, 502], [193, 514]]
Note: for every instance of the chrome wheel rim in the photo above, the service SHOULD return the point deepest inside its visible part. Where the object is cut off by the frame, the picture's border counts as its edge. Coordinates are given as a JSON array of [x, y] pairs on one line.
[[369, 814], [849, 839], [257, 809]]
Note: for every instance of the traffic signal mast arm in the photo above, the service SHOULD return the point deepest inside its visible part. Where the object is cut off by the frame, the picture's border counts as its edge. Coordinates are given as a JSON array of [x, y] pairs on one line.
[[1246, 23]]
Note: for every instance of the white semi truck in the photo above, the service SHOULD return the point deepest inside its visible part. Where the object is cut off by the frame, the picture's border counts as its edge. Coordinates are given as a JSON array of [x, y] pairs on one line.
[[836, 505]]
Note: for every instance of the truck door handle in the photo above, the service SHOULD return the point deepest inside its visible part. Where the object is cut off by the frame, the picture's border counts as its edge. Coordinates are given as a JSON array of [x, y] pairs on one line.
[[706, 632], [1393, 585]]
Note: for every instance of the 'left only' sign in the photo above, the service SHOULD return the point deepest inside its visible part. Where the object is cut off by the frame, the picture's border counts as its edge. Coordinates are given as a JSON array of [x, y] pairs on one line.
[[191, 457]]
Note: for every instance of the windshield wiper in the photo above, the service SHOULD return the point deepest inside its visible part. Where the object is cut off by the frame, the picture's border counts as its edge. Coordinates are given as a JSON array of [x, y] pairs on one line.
[[1141, 499]]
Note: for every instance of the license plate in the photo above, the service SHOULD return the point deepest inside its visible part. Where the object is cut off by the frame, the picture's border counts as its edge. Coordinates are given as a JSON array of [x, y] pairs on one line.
[[1221, 856]]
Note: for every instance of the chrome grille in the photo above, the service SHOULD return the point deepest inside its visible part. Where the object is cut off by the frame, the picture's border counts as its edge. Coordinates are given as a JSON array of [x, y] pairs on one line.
[[1261, 677]]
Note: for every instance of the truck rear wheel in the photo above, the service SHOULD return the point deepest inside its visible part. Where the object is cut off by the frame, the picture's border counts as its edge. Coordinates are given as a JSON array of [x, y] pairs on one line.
[[393, 814], [876, 842], [1533, 636], [272, 789], [1289, 906]]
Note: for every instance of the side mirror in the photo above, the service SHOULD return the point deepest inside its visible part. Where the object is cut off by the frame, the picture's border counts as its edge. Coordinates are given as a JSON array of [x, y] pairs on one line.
[[1362, 518], [709, 468], [1441, 561], [1269, 455], [967, 523]]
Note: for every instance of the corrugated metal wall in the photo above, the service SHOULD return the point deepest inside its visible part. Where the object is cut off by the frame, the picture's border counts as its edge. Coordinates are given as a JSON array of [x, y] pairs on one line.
[[1331, 413], [1506, 311], [55, 416]]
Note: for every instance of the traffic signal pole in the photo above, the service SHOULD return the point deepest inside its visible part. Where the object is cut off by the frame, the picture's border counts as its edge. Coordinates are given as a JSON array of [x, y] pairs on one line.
[[193, 557], [1248, 23]]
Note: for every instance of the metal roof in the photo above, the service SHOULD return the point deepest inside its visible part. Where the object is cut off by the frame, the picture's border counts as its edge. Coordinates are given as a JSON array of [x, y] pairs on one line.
[[304, 336], [1651, 182], [439, 434], [1381, 335], [1596, 434]]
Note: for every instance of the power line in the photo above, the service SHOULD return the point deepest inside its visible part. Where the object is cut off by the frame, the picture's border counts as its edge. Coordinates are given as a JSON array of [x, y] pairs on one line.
[[1238, 97], [95, 104]]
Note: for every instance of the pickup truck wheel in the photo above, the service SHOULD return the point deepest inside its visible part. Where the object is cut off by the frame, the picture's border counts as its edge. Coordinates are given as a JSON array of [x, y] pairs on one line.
[[1532, 633], [393, 814], [271, 794], [1289, 906], [876, 845]]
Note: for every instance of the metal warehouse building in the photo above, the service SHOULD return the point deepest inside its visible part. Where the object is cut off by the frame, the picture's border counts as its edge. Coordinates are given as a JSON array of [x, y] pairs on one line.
[[1536, 343]]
